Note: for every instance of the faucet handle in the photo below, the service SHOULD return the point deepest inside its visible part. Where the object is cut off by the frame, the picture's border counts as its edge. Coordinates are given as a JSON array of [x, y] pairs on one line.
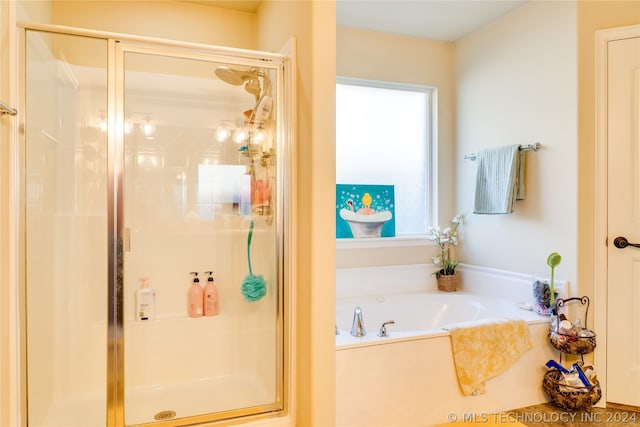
[[383, 328]]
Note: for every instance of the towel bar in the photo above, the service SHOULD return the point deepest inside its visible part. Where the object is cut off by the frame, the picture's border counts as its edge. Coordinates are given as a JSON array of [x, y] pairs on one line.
[[529, 147]]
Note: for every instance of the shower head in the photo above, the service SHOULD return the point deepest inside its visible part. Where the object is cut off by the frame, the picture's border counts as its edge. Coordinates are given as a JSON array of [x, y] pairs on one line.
[[238, 77], [229, 75], [235, 77]]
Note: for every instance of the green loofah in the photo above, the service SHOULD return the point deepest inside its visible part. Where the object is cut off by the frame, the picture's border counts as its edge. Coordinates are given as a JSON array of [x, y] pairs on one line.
[[253, 287]]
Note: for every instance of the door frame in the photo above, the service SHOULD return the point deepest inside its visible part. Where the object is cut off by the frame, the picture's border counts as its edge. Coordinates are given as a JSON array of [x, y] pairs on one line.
[[600, 273]]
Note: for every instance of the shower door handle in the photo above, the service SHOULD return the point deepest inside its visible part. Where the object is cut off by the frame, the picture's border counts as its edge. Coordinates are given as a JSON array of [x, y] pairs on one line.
[[6, 109], [126, 240], [622, 242]]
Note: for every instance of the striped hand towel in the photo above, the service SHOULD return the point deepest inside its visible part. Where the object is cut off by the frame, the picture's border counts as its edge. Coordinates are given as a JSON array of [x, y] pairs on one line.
[[499, 180]]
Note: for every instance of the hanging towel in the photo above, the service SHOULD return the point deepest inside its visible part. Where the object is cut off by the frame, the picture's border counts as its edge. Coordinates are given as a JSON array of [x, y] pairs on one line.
[[499, 179], [521, 163], [485, 348]]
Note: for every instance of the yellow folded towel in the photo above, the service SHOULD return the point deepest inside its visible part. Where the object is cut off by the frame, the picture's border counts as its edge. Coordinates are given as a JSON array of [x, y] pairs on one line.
[[485, 348]]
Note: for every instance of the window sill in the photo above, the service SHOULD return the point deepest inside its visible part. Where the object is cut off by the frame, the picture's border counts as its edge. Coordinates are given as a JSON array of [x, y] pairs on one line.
[[384, 242]]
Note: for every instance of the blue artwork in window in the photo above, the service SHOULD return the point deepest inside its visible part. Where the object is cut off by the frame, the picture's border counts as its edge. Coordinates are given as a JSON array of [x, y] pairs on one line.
[[365, 210]]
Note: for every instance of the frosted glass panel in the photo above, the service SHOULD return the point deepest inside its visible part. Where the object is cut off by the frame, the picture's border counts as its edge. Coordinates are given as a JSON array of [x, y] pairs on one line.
[[382, 138], [66, 230]]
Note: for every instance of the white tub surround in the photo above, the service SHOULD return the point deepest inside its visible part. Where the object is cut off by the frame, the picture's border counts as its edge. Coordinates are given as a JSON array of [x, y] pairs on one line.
[[409, 378], [512, 286], [420, 314]]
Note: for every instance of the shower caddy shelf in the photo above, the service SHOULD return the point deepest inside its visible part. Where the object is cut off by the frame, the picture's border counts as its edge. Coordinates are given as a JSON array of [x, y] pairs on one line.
[[563, 395], [573, 344]]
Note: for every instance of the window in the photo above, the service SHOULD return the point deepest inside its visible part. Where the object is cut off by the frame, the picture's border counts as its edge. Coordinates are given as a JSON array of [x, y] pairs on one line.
[[384, 135]]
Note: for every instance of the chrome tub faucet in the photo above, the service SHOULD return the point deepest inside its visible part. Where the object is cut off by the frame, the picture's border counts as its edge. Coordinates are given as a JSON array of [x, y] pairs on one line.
[[357, 328]]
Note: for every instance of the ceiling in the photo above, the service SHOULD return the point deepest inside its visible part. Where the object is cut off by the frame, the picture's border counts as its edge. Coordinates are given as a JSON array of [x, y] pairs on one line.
[[446, 20]]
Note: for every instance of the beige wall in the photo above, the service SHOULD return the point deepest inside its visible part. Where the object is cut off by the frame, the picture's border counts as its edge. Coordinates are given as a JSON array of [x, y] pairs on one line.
[[386, 57], [516, 84], [35, 11], [161, 19], [312, 23], [592, 16]]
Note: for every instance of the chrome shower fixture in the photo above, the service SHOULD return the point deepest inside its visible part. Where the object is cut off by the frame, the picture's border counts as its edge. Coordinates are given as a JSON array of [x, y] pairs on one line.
[[253, 87], [238, 77]]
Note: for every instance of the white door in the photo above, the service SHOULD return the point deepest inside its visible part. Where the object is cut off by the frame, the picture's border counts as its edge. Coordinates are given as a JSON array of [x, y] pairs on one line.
[[623, 318]]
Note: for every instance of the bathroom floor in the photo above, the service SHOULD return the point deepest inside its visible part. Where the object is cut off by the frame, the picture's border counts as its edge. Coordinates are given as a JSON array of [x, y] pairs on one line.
[[548, 415]]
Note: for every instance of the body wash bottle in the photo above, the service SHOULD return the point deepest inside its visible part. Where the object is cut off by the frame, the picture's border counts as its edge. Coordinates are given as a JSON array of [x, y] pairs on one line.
[[195, 297], [210, 296], [145, 301]]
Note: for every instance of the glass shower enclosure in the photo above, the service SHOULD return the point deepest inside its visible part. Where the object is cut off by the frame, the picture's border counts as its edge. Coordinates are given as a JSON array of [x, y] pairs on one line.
[[147, 165]]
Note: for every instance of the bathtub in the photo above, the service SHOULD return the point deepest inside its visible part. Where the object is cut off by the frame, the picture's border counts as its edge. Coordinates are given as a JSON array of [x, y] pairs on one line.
[[420, 314], [408, 378]]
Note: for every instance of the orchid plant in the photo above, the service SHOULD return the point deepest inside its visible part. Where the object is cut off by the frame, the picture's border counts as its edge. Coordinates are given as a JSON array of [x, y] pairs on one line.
[[445, 239]]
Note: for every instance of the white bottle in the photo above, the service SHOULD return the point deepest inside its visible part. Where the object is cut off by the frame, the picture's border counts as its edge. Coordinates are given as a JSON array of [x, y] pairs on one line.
[[145, 301]]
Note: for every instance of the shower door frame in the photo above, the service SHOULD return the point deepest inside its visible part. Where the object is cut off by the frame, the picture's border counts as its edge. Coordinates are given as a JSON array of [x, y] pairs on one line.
[[117, 46]]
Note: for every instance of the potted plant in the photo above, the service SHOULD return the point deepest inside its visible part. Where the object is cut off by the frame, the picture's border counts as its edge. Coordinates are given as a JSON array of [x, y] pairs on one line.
[[446, 274]]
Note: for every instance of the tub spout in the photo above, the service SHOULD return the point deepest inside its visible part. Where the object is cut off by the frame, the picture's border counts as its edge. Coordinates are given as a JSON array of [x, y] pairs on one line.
[[357, 329], [383, 328]]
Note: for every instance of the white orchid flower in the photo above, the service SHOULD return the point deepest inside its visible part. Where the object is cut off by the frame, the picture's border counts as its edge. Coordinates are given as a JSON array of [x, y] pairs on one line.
[[445, 238]]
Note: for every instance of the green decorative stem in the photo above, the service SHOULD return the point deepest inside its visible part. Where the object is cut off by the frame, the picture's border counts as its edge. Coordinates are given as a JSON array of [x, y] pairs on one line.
[[553, 260]]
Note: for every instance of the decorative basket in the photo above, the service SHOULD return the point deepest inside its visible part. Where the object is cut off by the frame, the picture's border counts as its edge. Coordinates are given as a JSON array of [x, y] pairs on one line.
[[571, 344], [569, 397], [448, 282]]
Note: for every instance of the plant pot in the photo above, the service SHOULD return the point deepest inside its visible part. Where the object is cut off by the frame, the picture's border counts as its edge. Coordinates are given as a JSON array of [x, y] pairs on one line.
[[448, 282]]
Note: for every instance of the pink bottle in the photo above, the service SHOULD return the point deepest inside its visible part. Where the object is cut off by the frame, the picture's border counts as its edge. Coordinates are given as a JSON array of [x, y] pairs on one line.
[[210, 296], [195, 297]]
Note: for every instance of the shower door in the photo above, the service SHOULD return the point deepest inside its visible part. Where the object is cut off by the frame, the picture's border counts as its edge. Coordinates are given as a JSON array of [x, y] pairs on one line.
[[188, 182], [151, 161]]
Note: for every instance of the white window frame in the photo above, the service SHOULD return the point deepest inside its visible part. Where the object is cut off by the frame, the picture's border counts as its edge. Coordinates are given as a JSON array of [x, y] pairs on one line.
[[431, 178]]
